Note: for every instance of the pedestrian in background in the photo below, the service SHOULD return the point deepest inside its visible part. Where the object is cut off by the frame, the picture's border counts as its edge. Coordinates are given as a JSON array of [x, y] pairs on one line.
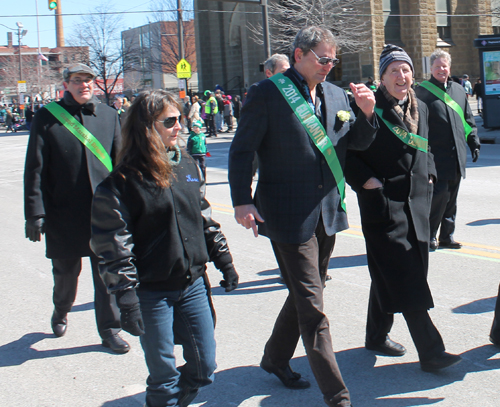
[[228, 113], [153, 232], [478, 91], [197, 146], [451, 128]]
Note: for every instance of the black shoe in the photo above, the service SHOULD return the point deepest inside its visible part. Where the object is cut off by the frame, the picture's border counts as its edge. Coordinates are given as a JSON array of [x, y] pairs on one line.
[[443, 360], [433, 244], [116, 344], [495, 341], [59, 323], [450, 245], [288, 377], [389, 347]]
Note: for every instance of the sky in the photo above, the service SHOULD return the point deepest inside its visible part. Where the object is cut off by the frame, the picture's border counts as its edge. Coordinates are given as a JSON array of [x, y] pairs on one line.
[[27, 16]]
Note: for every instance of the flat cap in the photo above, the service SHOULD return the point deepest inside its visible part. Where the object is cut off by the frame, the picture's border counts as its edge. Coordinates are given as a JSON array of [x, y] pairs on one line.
[[78, 68]]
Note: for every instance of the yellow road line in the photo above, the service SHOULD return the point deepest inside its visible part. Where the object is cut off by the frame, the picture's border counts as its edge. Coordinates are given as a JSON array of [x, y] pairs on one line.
[[355, 231]]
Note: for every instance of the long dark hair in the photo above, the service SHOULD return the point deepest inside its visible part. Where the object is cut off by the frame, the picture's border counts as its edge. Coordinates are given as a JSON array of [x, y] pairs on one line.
[[143, 150]]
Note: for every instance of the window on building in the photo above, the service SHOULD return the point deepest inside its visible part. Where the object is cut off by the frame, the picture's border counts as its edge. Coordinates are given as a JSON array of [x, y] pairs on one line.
[[443, 22], [392, 22]]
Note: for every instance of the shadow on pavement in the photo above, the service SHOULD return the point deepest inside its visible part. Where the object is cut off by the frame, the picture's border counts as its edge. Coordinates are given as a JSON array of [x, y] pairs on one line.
[[483, 222], [476, 307], [252, 287], [370, 385], [83, 307], [20, 351], [348, 261]]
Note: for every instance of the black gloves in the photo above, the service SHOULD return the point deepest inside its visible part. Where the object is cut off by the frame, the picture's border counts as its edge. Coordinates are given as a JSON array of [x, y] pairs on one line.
[[130, 312], [231, 277], [475, 155], [35, 228]]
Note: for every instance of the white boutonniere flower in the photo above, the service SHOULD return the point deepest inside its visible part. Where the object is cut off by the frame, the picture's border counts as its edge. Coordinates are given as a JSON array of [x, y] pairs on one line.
[[344, 115]]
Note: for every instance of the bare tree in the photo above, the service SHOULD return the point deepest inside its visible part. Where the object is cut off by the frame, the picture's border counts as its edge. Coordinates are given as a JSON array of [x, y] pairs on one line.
[[102, 34], [40, 79], [342, 17], [167, 41]]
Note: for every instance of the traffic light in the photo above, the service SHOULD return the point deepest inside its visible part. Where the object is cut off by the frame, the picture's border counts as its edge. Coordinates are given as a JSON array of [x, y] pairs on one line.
[[52, 4]]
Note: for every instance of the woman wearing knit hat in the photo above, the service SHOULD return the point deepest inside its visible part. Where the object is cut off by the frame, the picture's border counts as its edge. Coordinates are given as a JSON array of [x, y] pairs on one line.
[[393, 180]]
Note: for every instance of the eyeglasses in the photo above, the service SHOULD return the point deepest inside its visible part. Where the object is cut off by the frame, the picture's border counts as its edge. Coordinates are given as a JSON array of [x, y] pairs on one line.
[[326, 60], [169, 122], [79, 81]]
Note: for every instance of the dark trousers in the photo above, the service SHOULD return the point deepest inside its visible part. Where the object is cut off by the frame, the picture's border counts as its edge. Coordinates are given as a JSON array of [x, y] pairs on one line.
[[200, 159], [426, 337], [304, 268], [444, 208], [210, 122], [495, 328], [66, 273]]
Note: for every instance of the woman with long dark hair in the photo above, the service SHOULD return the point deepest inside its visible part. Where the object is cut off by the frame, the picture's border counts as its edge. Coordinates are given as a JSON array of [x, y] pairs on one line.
[[153, 232]]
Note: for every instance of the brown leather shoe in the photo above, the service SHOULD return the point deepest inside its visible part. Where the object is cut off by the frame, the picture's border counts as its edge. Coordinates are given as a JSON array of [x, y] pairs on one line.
[[288, 377]]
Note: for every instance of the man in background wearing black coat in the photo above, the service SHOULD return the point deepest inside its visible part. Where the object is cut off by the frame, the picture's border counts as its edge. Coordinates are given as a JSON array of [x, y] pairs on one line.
[[448, 141], [60, 178]]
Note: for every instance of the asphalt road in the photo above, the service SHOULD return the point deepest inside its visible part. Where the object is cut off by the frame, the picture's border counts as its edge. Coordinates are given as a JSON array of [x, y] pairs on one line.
[[39, 370]]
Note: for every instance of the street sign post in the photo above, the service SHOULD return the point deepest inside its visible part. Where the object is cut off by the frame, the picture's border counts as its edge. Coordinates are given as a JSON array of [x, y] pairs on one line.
[[21, 86]]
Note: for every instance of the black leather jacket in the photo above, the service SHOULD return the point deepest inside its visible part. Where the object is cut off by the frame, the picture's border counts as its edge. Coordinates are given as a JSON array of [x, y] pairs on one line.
[[161, 238]]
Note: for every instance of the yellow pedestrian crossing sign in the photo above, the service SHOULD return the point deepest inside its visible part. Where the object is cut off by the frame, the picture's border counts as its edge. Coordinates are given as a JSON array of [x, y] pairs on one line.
[[183, 69]]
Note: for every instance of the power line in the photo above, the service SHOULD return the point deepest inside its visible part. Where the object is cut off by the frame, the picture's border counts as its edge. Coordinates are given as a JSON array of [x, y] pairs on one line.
[[493, 14]]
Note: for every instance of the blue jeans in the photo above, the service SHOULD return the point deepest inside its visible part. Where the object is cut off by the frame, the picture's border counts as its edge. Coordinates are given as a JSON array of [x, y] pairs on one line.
[[185, 315]]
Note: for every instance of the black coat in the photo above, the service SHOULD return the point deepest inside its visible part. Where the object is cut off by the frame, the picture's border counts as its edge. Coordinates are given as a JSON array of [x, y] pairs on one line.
[[61, 174], [446, 131], [395, 218], [160, 237], [296, 185]]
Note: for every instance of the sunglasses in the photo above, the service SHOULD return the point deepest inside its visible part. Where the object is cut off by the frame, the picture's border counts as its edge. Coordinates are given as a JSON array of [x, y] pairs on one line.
[[169, 122], [326, 60]]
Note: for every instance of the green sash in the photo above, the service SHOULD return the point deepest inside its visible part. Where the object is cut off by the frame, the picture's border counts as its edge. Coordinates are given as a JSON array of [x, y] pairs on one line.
[[441, 94], [410, 139], [313, 127], [81, 133]]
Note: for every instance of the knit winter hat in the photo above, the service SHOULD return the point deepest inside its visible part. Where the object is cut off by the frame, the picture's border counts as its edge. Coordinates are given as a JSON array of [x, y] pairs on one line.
[[197, 123], [392, 53]]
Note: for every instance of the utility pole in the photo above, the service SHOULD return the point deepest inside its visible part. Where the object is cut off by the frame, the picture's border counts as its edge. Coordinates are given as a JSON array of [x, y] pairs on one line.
[[180, 29]]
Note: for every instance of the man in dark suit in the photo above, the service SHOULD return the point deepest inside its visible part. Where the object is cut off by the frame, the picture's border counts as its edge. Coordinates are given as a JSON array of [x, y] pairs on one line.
[[60, 177], [297, 203], [448, 141]]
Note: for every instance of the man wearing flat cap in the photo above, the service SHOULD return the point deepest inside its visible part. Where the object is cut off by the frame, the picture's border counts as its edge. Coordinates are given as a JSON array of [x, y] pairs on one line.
[[393, 180], [71, 149]]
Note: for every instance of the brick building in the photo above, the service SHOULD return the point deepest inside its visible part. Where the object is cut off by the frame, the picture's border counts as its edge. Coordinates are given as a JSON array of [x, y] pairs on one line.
[[228, 57], [43, 78], [151, 53]]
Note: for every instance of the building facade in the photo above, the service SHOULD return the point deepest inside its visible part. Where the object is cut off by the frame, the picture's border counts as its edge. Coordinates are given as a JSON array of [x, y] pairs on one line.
[[227, 56], [151, 53], [43, 77]]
